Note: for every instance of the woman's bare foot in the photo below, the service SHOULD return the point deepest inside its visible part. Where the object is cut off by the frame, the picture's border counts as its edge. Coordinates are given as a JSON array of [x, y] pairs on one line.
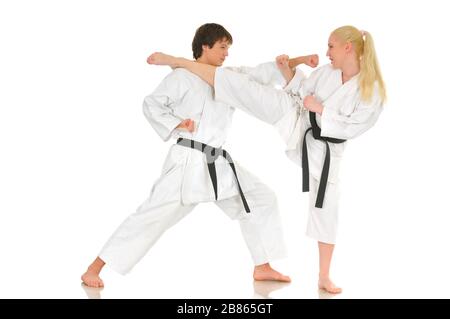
[[327, 285], [92, 279], [265, 272]]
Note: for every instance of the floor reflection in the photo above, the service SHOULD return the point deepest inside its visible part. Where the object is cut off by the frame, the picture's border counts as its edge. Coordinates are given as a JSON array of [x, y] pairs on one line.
[[92, 293], [323, 294], [263, 289]]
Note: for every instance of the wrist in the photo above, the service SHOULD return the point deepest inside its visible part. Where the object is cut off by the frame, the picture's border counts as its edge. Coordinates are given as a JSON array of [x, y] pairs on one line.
[[320, 109], [302, 59], [287, 73], [176, 62]]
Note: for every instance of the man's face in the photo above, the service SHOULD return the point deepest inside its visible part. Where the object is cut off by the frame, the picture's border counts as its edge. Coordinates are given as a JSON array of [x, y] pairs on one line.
[[217, 54]]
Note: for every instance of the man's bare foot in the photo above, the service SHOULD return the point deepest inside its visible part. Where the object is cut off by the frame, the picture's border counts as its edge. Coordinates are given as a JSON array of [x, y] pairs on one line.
[[92, 279], [327, 285], [265, 272]]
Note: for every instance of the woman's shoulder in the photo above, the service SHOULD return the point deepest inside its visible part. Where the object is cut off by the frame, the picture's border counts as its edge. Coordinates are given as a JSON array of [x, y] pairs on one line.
[[327, 68], [322, 71]]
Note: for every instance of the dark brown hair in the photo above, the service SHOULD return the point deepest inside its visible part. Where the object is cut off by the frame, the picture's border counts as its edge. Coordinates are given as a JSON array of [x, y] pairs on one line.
[[208, 34]]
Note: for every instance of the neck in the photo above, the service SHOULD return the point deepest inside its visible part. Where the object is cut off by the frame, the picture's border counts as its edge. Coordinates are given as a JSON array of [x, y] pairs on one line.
[[350, 69], [202, 59]]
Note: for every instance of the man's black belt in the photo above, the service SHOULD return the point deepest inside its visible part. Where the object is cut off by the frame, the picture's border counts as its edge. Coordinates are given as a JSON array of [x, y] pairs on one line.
[[316, 131], [212, 153]]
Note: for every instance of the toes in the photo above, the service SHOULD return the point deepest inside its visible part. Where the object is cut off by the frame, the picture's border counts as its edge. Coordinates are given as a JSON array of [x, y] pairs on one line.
[[333, 290], [329, 286], [92, 282]]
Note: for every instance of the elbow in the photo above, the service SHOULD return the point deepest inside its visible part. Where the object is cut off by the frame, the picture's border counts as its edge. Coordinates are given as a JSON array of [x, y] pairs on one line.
[[147, 110], [354, 132]]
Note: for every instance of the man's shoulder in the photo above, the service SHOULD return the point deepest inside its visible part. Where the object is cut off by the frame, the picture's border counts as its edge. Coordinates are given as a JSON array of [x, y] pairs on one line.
[[183, 75], [177, 74]]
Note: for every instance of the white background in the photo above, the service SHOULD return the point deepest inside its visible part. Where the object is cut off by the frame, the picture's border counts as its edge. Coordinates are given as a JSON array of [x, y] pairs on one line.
[[78, 156]]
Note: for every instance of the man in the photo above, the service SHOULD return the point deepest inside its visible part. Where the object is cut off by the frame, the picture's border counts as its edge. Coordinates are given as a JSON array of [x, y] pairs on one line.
[[197, 170]]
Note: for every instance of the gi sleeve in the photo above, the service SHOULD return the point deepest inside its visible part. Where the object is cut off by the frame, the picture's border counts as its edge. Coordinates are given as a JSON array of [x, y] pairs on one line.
[[302, 85], [159, 106], [296, 82], [364, 116]]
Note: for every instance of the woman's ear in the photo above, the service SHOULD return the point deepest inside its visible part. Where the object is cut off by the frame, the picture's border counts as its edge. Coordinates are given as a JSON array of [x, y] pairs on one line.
[[348, 47]]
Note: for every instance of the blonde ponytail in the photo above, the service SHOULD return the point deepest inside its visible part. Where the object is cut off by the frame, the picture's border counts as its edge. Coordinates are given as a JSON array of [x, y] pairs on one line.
[[370, 73]]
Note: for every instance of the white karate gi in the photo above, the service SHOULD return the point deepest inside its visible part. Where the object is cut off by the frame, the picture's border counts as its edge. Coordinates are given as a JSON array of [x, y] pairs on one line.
[[345, 116], [185, 180]]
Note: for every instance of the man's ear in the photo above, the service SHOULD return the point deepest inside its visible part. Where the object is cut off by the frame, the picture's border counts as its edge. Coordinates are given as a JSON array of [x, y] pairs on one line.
[[205, 47]]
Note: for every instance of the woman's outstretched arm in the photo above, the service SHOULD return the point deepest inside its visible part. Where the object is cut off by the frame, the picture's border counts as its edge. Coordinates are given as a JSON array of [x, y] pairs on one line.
[[310, 60], [205, 71]]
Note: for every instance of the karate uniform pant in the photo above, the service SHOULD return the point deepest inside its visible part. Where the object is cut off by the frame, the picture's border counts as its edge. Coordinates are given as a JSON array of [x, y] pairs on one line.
[[261, 228], [269, 104], [323, 222]]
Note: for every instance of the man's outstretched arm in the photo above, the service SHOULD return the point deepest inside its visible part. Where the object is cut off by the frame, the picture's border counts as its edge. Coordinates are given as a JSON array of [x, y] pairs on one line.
[[205, 71]]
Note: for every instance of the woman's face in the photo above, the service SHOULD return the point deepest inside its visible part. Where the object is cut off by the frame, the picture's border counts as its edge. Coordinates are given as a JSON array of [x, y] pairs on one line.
[[336, 51]]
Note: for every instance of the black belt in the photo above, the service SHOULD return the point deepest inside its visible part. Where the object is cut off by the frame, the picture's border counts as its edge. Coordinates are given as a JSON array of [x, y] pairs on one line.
[[326, 165], [212, 153]]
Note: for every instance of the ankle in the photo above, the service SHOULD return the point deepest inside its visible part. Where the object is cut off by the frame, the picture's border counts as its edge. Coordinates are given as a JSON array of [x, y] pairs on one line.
[[262, 266], [94, 269], [179, 62], [324, 276]]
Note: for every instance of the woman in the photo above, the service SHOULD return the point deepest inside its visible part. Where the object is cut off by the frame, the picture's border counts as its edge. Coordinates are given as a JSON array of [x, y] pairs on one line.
[[315, 116]]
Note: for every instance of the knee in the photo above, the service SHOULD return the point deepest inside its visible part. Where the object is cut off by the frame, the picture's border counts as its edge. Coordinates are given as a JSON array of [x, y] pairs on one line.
[[272, 197], [268, 198]]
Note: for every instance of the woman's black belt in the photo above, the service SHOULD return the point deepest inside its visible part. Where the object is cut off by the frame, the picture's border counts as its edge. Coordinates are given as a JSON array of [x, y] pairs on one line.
[[316, 131]]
